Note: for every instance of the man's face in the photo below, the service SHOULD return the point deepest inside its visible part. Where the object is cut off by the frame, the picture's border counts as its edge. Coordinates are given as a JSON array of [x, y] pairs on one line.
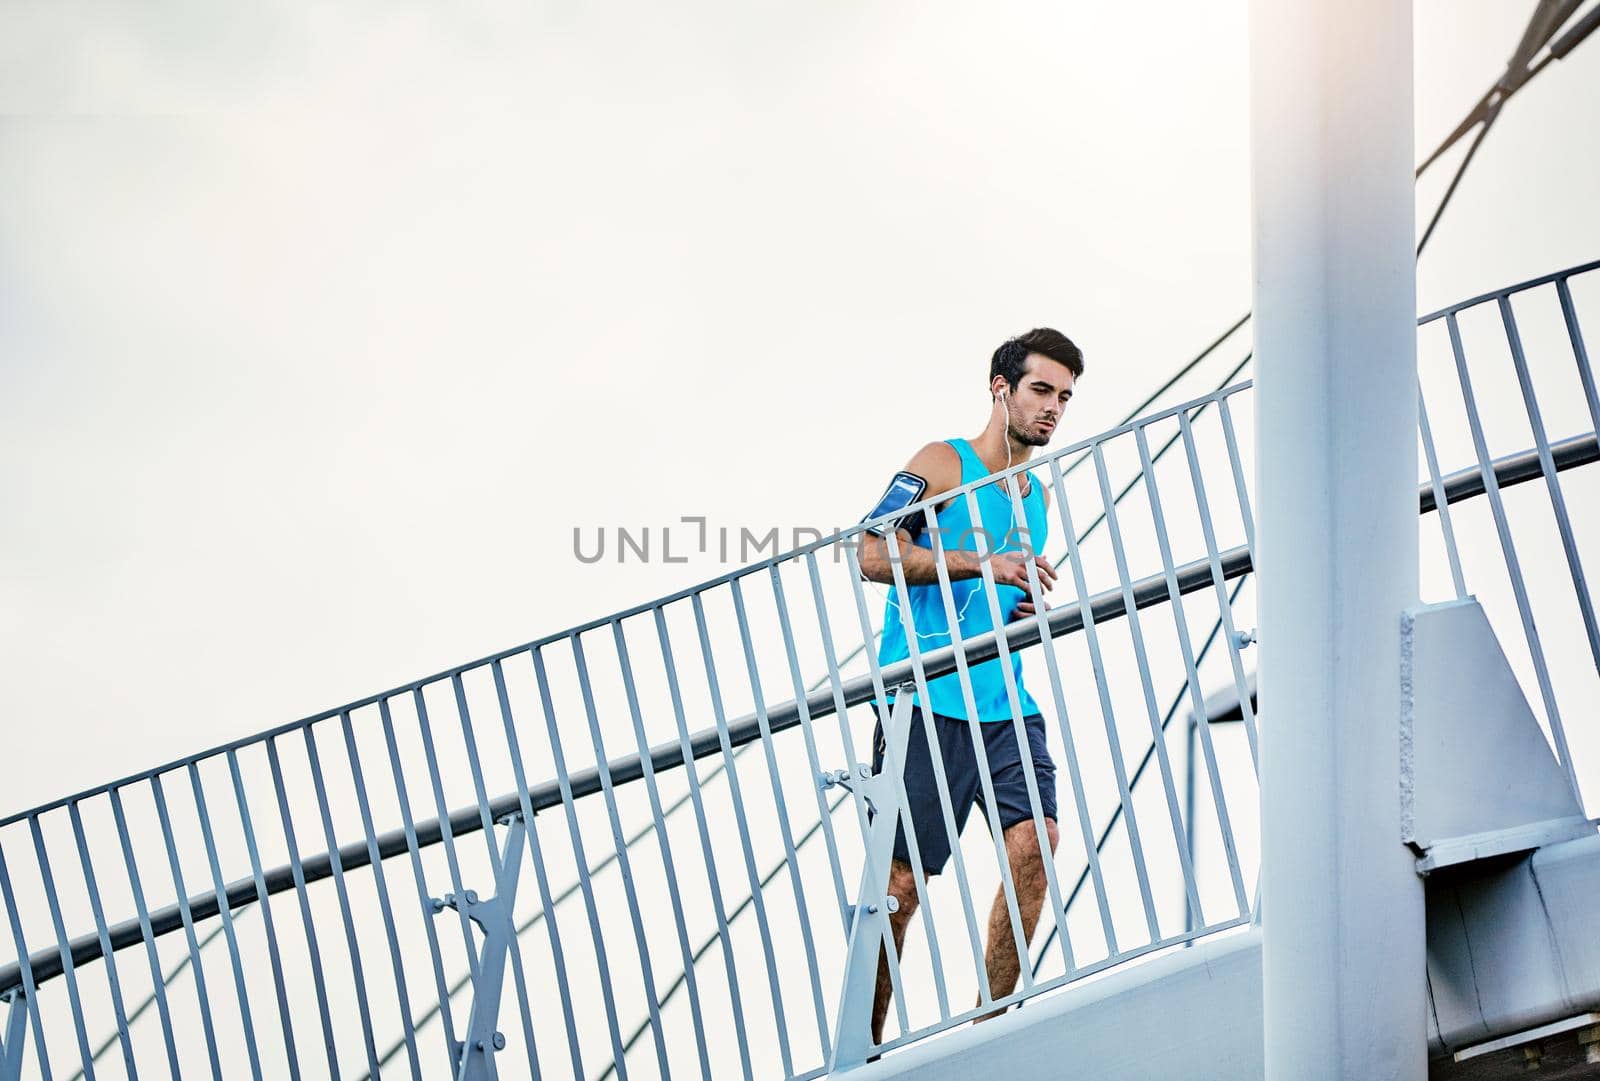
[[1033, 409]]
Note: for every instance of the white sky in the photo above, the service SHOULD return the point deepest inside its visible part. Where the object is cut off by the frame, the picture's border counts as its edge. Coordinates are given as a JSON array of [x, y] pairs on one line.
[[321, 329]]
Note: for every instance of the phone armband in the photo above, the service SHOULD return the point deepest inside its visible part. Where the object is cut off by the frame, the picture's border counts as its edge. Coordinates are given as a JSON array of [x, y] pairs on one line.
[[903, 490]]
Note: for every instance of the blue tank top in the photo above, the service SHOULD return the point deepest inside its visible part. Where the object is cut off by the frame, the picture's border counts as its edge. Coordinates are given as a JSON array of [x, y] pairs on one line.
[[971, 601]]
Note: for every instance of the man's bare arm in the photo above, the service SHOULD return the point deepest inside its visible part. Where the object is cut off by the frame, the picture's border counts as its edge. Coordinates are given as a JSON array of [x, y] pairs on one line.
[[918, 564]]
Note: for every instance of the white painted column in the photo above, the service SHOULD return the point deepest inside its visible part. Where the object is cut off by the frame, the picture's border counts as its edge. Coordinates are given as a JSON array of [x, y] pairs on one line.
[[1335, 338]]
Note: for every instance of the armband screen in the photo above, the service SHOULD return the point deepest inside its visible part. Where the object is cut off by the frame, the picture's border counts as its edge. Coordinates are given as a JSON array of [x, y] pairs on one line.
[[904, 490]]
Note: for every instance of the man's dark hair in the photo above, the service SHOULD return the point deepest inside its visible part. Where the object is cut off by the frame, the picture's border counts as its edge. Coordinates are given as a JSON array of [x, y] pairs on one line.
[[1011, 359]]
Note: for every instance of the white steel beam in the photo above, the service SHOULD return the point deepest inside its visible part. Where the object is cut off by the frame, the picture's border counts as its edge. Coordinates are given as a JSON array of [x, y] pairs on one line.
[[1344, 988]]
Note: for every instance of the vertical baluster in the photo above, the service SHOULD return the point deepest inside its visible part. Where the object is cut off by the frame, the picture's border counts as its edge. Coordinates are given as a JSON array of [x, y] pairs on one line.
[[797, 682], [1441, 504], [107, 954], [1241, 490], [1552, 482], [548, 906], [737, 799], [1052, 668], [1141, 659], [188, 926], [424, 900], [668, 864], [30, 992], [1580, 353], [225, 914], [785, 828], [835, 683], [1108, 715], [142, 910], [608, 793], [581, 861], [262, 901], [68, 970], [1491, 488], [1219, 584], [713, 883], [1070, 752], [306, 922], [346, 913], [380, 881], [1196, 700]]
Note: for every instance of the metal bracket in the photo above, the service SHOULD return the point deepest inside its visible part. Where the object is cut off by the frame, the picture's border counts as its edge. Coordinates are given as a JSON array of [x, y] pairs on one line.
[[837, 778], [474, 1056], [497, 1042], [865, 785], [481, 912], [888, 904], [1477, 776]]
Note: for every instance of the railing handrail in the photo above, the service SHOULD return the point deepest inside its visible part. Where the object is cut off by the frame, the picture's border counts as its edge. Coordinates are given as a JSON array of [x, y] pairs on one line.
[[1509, 290], [1514, 469], [1151, 591]]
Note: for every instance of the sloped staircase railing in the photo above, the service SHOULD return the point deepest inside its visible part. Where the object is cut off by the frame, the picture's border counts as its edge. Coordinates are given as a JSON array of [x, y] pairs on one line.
[[1150, 891]]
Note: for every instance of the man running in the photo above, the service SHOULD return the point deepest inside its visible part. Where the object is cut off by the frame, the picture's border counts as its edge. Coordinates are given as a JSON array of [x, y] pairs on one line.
[[1030, 382]]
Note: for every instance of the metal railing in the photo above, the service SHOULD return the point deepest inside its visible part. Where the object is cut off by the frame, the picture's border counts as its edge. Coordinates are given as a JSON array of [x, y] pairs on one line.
[[703, 930], [1500, 402]]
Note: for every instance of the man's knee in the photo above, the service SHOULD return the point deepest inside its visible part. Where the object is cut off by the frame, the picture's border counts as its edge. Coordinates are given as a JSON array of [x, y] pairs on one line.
[[903, 885], [1022, 839]]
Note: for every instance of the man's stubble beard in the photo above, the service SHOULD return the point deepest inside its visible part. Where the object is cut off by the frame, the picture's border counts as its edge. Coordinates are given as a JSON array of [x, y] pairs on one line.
[[1027, 439]]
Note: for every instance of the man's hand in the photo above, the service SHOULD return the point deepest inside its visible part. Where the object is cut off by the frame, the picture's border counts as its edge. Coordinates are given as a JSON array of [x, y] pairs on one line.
[[1011, 569], [1026, 610]]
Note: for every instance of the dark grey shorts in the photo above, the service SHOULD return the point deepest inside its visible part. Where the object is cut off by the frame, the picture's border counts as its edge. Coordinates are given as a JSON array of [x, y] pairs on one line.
[[960, 764]]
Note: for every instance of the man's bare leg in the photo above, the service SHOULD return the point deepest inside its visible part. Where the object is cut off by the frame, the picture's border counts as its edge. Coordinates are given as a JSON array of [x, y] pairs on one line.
[[903, 888], [1027, 873]]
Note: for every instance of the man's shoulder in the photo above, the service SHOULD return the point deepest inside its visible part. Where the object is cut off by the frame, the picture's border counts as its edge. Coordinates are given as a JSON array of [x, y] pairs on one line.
[[938, 464], [939, 448]]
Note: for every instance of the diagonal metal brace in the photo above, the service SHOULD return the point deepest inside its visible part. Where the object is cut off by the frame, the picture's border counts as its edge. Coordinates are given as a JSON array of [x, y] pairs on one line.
[[474, 1056], [869, 917], [16, 1032]]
